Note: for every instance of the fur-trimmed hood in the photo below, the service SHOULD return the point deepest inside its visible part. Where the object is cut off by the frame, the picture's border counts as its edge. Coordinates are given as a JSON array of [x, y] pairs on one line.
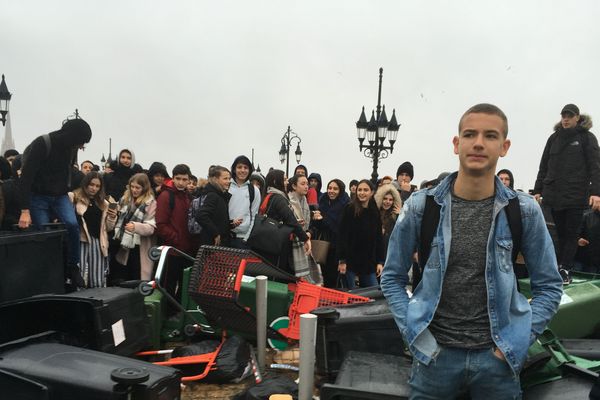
[[385, 189], [585, 121]]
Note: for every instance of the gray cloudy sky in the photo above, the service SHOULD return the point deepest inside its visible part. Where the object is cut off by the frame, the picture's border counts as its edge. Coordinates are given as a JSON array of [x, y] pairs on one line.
[[202, 82]]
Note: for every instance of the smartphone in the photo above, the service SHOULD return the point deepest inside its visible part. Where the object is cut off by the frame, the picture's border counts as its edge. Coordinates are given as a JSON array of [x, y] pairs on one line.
[[112, 206]]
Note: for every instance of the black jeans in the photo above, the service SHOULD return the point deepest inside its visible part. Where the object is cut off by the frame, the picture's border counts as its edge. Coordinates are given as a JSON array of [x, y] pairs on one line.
[[567, 223], [173, 278]]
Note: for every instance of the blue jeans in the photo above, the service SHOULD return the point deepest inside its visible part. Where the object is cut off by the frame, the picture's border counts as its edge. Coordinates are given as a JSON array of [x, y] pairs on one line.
[[477, 372], [42, 208], [364, 280]]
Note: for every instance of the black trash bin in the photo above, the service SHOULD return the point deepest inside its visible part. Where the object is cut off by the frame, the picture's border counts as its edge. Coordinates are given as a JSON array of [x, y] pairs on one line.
[[112, 319], [370, 376], [31, 263], [72, 373], [366, 327]]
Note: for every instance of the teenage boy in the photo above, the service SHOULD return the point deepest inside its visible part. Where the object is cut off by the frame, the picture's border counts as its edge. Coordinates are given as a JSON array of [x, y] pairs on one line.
[[404, 175], [466, 325], [244, 202], [171, 223]]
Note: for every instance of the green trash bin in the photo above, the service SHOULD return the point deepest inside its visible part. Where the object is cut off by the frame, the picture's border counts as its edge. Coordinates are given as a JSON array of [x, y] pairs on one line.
[[279, 299], [577, 315]]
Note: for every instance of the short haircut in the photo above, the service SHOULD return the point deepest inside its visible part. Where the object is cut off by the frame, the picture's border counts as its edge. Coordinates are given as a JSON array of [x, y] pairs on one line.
[[216, 171], [87, 161], [486, 108], [182, 169]]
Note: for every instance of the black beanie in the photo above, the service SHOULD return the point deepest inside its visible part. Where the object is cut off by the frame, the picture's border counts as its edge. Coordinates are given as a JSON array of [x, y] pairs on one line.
[[406, 167]]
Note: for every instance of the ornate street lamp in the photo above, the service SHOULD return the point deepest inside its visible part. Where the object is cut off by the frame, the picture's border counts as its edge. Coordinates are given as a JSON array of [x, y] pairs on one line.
[[5, 96], [376, 131], [284, 151]]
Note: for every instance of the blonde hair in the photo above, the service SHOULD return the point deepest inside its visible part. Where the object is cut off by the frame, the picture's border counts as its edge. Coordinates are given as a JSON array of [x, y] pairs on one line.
[[146, 195]]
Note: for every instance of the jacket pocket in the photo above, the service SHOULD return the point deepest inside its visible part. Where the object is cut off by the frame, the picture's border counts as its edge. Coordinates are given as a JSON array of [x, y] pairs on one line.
[[504, 255]]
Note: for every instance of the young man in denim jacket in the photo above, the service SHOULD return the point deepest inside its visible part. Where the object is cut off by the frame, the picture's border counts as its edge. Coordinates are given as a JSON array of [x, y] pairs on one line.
[[466, 324]]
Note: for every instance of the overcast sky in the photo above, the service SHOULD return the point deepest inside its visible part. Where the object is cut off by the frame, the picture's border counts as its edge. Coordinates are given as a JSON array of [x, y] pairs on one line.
[[201, 82]]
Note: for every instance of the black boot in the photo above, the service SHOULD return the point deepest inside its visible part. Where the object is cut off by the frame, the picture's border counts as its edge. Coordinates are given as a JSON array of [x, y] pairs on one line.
[[73, 279]]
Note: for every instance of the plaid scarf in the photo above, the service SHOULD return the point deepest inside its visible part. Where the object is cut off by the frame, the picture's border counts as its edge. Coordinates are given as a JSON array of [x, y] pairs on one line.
[[129, 213]]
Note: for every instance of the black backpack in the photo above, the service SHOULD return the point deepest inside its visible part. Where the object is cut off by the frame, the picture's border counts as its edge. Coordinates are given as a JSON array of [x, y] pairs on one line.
[[431, 220]]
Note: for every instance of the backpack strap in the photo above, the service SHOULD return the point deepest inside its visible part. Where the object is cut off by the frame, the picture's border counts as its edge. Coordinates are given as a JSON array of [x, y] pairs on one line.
[[515, 224], [171, 200], [251, 198], [429, 224], [513, 214], [263, 206], [48, 144], [251, 193]]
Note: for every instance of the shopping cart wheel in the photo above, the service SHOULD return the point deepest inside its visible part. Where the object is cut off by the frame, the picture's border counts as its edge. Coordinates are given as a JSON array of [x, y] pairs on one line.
[[154, 253], [129, 375], [145, 288]]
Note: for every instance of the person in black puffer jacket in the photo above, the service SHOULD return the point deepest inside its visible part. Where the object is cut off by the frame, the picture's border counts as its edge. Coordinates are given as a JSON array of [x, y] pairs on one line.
[[568, 180]]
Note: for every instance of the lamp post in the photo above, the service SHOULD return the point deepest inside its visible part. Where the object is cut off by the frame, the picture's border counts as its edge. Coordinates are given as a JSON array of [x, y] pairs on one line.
[[284, 152], [376, 131], [5, 96]]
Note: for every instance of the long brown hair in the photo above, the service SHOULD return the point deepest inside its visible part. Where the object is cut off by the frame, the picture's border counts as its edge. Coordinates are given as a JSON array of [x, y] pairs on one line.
[[357, 206], [80, 193], [142, 180]]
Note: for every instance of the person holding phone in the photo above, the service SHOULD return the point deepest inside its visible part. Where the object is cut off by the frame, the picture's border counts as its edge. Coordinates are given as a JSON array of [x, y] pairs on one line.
[[96, 217], [134, 232]]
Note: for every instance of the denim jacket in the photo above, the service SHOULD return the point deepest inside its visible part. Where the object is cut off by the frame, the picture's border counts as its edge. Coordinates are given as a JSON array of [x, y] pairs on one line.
[[515, 323]]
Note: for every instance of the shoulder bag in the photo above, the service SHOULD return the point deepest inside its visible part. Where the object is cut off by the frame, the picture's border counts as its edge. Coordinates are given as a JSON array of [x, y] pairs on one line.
[[268, 235]]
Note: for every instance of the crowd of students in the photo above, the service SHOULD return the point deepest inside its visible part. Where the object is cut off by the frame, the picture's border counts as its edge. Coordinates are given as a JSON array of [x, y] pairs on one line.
[[118, 214], [113, 217]]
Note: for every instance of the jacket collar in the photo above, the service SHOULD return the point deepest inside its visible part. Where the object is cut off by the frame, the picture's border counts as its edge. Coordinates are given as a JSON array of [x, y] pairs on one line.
[[442, 191]]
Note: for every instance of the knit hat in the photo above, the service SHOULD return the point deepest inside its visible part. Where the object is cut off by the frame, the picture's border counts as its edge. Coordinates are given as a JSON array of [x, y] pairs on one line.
[[257, 176], [406, 167]]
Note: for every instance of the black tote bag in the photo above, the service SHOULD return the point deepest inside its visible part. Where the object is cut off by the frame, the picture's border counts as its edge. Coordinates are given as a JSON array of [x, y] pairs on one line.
[[268, 235]]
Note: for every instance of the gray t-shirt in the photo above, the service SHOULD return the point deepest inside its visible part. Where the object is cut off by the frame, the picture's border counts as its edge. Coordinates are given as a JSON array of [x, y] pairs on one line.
[[461, 319]]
